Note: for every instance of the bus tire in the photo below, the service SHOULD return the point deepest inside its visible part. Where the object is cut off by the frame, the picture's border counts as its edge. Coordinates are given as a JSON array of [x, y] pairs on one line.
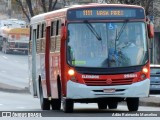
[[56, 103], [68, 105], [132, 104], [112, 105], [45, 103], [102, 105]]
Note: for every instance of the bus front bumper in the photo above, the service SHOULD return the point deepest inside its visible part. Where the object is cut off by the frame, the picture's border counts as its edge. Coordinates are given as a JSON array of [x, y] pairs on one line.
[[82, 91]]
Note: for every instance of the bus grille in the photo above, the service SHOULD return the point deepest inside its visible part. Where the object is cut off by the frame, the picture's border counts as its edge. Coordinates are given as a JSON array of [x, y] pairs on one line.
[[109, 82]]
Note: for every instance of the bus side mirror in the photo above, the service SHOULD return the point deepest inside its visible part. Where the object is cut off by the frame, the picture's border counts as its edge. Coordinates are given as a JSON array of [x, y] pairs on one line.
[[64, 31], [150, 27]]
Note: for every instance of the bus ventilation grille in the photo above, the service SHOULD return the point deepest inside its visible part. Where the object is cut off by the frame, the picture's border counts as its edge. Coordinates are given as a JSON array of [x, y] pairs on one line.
[[108, 82]]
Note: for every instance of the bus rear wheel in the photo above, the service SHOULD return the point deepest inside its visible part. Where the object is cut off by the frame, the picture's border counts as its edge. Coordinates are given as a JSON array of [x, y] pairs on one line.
[[132, 104], [45, 103], [68, 105]]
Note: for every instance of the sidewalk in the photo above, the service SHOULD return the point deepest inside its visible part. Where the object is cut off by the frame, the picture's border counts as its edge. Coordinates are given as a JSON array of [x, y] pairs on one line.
[[149, 101]]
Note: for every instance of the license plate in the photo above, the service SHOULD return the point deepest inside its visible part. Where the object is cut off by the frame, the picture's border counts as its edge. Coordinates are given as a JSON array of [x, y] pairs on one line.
[[155, 86], [109, 90]]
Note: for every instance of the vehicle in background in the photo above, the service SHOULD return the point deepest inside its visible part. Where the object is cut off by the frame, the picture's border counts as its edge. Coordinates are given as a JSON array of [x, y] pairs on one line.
[[154, 78], [13, 23], [10, 23], [15, 39]]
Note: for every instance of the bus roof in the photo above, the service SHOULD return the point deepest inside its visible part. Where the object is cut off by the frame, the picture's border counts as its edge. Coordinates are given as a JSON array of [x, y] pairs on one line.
[[16, 31], [62, 12]]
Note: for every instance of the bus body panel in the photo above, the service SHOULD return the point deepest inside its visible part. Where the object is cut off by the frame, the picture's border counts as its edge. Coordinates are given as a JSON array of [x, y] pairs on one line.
[[54, 72], [82, 91]]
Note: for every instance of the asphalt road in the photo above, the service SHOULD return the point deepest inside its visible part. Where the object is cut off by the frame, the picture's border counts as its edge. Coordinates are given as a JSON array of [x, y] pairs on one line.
[[14, 72], [25, 102], [14, 69]]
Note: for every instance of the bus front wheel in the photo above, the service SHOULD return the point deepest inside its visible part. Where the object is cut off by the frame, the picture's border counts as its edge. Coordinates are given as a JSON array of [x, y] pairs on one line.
[[132, 104], [56, 103], [112, 105], [102, 105]]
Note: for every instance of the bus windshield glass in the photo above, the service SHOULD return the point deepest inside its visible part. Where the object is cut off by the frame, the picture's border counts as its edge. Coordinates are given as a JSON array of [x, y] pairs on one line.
[[121, 44]]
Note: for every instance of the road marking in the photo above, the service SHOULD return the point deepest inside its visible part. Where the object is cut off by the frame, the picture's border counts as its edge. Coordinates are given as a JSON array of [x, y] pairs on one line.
[[4, 57]]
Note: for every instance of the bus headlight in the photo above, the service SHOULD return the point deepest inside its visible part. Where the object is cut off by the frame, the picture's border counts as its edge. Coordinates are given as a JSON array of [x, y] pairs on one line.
[[145, 70], [71, 72]]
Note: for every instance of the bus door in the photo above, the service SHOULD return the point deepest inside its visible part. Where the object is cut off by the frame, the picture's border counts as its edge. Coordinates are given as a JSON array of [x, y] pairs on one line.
[[33, 63]]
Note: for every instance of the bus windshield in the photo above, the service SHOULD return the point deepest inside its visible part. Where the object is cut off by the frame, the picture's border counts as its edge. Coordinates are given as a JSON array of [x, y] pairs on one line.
[[120, 45]]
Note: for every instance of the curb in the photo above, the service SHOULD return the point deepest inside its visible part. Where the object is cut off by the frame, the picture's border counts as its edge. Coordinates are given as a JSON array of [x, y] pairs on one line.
[[13, 89], [151, 102], [25, 90]]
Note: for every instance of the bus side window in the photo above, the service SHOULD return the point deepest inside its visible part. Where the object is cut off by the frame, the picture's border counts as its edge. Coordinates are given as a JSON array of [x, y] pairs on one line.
[[43, 30], [53, 36], [58, 29], [38, 43], [38, 26], [53, 29]]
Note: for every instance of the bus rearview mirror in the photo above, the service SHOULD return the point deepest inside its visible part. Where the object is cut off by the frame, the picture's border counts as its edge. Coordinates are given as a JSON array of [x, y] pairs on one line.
[[150, 30]]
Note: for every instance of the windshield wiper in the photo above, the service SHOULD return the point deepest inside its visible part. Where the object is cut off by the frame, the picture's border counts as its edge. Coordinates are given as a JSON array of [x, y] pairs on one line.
[[89, 25], [121, 30]]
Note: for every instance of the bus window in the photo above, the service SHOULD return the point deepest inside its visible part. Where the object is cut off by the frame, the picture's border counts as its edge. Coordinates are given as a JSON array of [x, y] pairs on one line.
[[53, 37], [43, 30], [58, 28], [53, 28], [38, 31]]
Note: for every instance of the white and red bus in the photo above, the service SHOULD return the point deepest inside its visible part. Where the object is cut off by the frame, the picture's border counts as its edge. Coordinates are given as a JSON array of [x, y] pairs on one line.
[[96, 53]]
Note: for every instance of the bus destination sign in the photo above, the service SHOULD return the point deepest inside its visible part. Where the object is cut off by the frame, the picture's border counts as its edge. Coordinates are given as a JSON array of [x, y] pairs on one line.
[[100, 13], [106, 13]]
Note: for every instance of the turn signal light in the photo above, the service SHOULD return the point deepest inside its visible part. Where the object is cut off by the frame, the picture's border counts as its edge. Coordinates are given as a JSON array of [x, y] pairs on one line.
[[71, 72], [143, 76]]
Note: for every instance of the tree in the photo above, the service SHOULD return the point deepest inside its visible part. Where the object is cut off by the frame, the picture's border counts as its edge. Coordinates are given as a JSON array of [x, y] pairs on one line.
[[36, 7]]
